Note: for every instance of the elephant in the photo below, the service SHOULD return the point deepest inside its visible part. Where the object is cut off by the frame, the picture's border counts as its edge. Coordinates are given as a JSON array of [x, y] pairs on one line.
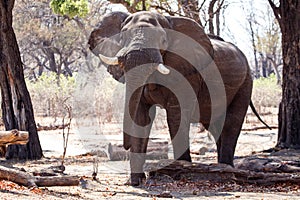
[[169, 61]]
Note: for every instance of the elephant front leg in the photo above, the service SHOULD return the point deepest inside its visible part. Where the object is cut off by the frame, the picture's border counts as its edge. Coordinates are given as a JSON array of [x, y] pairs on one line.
[[137, 160], [179, 126], [136, 137]]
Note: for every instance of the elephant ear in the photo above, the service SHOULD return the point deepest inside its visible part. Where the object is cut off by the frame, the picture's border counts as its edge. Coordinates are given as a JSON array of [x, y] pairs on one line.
[[188, 40], [107, 34], [105, 40]]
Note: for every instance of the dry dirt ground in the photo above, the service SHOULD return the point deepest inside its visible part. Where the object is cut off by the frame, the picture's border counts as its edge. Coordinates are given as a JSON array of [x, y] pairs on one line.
[[86, 141]]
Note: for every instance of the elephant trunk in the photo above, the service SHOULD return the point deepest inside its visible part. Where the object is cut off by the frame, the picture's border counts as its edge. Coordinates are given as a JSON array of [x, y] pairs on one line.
[[138, 118], [138, 65], [132, 122]]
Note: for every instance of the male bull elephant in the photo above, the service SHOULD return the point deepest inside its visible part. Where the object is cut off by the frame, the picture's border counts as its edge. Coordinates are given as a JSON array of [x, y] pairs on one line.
[[170, 61]]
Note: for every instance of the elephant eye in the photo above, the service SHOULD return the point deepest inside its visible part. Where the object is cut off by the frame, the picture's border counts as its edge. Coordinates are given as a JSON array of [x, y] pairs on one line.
[[128, 19], [164, 43], [121, 37]]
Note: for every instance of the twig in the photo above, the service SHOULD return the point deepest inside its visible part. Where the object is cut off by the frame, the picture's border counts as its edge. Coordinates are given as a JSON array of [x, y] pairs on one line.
[[257, 128], [66, 135], [95, 168]]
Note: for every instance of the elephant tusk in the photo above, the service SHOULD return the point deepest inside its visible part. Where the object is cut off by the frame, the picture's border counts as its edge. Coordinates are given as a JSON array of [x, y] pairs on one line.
[[163, 69], [109, 60]]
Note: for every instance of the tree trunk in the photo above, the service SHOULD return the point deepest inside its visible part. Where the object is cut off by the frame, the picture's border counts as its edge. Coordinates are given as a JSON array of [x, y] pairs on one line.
[[257, 73], [288, 15], [218, 19], [17, 109], [211, 16], [275, 66]]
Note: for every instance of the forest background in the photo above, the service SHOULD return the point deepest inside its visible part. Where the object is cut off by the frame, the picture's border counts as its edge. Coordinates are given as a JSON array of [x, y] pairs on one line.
[[57, 61]]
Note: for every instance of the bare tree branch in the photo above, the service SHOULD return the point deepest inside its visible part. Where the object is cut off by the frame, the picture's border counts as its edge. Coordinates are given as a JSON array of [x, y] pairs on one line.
[[201, 6], [167, 10], [276, 11]]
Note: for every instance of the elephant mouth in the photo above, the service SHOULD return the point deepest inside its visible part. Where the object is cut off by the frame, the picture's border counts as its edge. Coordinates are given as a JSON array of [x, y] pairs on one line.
[[151, 60], [116, 73], [149, 57], [141, 57]]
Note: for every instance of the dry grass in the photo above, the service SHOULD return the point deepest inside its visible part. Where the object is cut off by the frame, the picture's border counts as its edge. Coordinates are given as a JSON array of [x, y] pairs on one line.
[[99, 96]]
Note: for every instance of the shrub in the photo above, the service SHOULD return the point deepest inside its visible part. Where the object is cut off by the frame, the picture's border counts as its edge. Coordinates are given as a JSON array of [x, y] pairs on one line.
[[49, 93], [90, 94], [266, 92]]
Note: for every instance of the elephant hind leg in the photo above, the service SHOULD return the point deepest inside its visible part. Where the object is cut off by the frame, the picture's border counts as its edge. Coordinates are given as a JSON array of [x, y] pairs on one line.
[[234, 119]]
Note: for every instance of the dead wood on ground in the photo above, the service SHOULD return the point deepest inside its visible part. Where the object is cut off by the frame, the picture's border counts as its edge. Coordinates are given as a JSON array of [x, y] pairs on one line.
[[115, 152], [26, 179], [218, 172], [258, 128], [13, 137], [51, 127]]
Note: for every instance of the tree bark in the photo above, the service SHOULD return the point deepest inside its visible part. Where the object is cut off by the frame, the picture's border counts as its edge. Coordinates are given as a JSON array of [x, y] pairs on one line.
[[16, 105], [288, 16]]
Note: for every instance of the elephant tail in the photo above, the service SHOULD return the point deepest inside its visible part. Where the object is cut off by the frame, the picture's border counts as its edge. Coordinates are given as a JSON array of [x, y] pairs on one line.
[[257, 115]]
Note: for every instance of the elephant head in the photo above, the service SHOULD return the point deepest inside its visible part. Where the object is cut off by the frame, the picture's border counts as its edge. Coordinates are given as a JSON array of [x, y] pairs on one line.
[[123, 41], [137, 46]]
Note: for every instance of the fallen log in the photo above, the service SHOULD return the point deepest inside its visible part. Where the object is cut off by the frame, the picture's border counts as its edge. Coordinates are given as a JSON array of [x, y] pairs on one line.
[[57, 181], [26, 179], [156, 150], [51, 127], [258, 128], [217, 172], [13, 137]]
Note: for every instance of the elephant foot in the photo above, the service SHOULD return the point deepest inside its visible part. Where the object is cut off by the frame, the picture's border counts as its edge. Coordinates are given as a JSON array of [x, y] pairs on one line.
[[227, 162], [137, 179], [185, 156]]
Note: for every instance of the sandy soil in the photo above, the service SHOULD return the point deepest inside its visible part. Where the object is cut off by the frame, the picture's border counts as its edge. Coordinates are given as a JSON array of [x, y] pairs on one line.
[[113, 174]]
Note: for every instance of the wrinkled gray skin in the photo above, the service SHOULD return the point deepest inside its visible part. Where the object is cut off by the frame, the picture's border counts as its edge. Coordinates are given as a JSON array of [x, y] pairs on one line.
[[223, 116]]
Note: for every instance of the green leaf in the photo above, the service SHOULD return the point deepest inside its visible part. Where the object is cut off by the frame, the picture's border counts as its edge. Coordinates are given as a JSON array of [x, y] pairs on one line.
[[70, 8]]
